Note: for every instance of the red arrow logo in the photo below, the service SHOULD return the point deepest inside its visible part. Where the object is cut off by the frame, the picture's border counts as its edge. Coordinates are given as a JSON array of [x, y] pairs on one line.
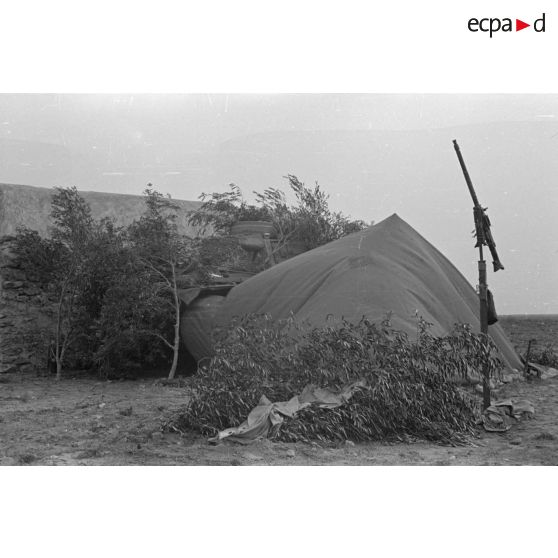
[[519, 25]]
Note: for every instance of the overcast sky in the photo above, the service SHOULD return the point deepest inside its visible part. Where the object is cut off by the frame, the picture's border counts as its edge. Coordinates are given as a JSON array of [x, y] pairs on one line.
[[374, 154]]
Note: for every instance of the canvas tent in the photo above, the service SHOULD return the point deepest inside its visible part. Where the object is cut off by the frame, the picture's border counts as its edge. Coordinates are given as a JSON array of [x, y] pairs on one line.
[[388, 267]]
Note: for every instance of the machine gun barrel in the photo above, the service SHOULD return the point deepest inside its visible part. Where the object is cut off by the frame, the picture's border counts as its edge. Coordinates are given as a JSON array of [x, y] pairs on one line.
[[466, 174], [482, 222]]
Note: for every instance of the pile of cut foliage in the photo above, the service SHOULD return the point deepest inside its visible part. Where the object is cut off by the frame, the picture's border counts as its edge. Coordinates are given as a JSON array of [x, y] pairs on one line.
[[412, 387]]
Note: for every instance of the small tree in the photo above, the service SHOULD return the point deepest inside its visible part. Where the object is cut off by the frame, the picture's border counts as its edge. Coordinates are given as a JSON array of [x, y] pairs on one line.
[[316, 224], [39, 261], [60, 265], [161, 252], [73, 228]]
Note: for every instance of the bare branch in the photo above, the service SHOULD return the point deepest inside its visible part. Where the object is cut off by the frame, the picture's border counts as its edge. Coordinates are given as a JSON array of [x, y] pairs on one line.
[[152, 267], [155, 334]]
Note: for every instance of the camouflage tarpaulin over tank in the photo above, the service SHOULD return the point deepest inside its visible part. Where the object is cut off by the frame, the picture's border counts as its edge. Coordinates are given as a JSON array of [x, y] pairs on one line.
[[388, 267]]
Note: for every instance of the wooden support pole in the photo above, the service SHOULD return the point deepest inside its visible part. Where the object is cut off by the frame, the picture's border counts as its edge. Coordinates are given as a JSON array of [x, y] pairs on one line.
[[483, 298]]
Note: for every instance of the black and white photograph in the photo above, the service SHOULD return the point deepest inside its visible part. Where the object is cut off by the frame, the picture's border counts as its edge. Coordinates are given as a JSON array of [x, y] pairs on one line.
[[311, 279], [278, 277]]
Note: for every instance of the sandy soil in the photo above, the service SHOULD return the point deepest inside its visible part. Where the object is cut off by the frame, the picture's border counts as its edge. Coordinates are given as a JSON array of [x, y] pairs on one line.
[[89, 422]]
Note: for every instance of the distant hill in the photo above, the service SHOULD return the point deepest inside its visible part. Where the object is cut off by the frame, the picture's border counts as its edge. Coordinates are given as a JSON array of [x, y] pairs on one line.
[[30, 206]]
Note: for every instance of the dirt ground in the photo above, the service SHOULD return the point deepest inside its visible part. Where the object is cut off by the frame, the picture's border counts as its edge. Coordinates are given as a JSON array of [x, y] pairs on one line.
[[90, 422]]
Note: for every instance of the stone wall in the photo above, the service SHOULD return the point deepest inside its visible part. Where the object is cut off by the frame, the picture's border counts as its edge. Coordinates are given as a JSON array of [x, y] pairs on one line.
[[26, 318]]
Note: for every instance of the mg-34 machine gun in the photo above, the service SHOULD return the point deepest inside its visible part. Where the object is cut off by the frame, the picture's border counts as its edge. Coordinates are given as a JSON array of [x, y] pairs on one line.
[[484, 238]]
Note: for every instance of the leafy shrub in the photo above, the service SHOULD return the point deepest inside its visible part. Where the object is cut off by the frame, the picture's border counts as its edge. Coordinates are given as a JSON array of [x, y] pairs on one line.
[[546, 356], [312, 220], [309, 221], [411, 386], [37, 257], [220, 211], [132, 309]]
